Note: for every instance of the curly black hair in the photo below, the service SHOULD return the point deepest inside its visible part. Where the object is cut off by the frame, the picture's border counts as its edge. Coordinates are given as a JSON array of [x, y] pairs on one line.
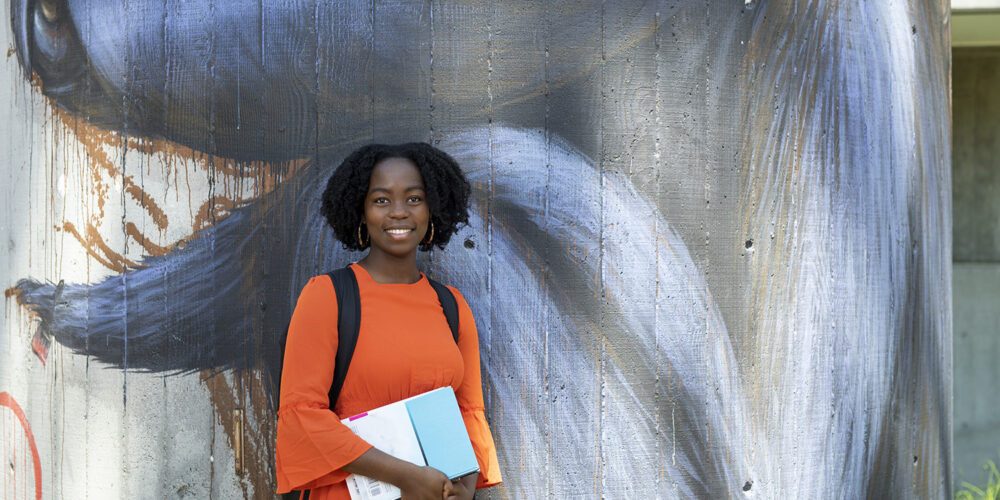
[[444, 184]]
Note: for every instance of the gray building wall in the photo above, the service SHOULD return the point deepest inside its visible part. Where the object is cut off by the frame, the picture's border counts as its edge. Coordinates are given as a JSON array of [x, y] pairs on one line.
[[976, 191]]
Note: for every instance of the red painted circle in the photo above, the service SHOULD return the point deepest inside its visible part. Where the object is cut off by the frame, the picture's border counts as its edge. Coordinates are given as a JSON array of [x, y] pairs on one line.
[[8, 401]]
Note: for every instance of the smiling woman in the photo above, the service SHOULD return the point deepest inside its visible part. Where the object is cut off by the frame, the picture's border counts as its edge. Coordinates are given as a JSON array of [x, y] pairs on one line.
[[394, 196]]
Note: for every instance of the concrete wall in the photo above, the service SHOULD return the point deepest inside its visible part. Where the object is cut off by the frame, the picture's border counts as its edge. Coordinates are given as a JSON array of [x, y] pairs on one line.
[[709, 244], [976, 191], [976, 188]]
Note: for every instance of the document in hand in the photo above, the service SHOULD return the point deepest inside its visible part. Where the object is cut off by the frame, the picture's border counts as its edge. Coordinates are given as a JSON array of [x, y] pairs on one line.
[[426, 429]]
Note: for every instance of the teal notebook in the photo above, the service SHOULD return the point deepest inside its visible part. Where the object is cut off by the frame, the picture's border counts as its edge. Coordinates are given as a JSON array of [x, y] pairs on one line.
[[443, 438]]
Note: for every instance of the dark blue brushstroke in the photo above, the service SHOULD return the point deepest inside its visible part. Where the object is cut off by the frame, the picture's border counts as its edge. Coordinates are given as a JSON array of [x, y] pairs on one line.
[[255, 80], [221, 301]]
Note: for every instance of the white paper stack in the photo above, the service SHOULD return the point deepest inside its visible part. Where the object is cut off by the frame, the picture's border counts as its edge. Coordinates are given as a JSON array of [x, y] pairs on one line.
[[387, 428]]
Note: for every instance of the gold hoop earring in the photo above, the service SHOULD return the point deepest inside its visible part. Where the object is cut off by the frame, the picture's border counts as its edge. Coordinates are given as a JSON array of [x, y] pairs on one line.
[[431, 237], [363, 244]]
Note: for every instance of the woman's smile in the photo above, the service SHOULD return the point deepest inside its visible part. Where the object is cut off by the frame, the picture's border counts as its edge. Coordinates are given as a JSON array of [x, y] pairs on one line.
[[399, 234]]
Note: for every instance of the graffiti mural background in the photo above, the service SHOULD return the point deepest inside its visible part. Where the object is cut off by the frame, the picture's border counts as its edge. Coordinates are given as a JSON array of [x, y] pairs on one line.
[[709, 253]]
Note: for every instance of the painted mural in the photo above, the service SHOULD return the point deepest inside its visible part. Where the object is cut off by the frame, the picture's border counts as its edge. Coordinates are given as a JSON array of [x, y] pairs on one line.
[[709, 249]]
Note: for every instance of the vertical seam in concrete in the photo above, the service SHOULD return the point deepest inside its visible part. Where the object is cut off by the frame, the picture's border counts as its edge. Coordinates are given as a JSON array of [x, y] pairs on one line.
[[431, 136], [372, 62], [657, 165], [547, 29], [492, 183], [430, 108], [600, 267]]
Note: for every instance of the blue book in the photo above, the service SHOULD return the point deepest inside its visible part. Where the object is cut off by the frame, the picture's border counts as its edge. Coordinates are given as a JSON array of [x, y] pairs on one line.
[[426, 429], [441, 432]]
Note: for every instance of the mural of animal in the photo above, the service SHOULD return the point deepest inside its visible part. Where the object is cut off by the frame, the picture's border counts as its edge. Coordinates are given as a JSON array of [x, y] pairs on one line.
[[595, 136]]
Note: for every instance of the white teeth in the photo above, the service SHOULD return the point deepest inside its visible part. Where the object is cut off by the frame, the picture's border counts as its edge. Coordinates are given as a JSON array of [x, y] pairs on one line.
[[397, 231]]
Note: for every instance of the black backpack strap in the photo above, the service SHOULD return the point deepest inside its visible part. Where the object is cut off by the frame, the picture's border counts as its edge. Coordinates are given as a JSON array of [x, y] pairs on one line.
[[449, 305], [345, 285], [295, 495]]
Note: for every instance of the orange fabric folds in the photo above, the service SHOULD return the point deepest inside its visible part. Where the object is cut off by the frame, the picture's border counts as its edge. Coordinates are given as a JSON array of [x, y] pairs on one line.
[[404, 348], [482, 444]]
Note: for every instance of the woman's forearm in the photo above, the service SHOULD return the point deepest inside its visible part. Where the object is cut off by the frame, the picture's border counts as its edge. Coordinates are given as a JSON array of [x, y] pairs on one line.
[[414, 481], [379, 465]]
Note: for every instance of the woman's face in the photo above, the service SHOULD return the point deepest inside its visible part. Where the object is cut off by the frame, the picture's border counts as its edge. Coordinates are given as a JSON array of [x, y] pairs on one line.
[[396, 211]]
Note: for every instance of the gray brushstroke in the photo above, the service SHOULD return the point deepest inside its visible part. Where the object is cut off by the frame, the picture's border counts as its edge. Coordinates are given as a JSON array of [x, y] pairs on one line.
[[846, 168]]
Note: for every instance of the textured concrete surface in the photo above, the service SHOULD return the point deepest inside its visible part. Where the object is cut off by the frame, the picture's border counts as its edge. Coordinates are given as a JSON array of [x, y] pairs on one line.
[[976, 174], [976, 274], [977, 366]]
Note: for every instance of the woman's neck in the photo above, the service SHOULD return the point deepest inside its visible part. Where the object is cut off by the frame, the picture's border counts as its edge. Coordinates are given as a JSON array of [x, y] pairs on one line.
[[388, 269]]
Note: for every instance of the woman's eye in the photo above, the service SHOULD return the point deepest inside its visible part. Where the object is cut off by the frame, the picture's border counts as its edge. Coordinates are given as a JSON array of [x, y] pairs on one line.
[[415, 199], [381, 201]]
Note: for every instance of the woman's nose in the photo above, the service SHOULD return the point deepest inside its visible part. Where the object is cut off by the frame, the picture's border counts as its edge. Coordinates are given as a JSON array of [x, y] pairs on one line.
[[398, 210]]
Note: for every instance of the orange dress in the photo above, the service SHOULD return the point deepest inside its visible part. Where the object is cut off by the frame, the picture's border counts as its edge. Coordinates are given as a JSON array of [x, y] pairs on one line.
[[404, 348]]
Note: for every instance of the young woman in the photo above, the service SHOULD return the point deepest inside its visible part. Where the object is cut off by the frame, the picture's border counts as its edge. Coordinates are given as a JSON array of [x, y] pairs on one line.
[[390, 200]]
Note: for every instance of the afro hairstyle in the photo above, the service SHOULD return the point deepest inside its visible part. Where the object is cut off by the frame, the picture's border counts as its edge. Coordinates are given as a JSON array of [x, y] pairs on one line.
[[444, 184]]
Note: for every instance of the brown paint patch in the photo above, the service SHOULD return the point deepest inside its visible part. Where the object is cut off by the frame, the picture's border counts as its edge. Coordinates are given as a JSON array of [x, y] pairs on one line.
[[237, 439], [263, 171], [224, 402], [256, 441], [155, 212], [99, 147], [213, 211], [13, 292], [259, 447], [151, 248], [36, 82], [11, 51], [94, 141], [97, 248]]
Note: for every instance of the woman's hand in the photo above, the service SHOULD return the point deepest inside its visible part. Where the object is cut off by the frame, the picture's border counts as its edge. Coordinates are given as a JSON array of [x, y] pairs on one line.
[[462, 488], [425, 483], [458, 491]]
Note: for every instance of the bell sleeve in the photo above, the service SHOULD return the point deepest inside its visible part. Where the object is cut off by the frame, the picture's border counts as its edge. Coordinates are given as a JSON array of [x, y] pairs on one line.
[[470, 398], [312, 443]]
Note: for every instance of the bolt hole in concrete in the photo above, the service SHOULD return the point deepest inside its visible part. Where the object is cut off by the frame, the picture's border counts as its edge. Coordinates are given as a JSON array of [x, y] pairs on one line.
[[470, 244], [747, 485]]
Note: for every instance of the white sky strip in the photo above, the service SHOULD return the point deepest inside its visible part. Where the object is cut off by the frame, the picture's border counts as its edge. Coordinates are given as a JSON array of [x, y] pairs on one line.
[[964, 5]]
